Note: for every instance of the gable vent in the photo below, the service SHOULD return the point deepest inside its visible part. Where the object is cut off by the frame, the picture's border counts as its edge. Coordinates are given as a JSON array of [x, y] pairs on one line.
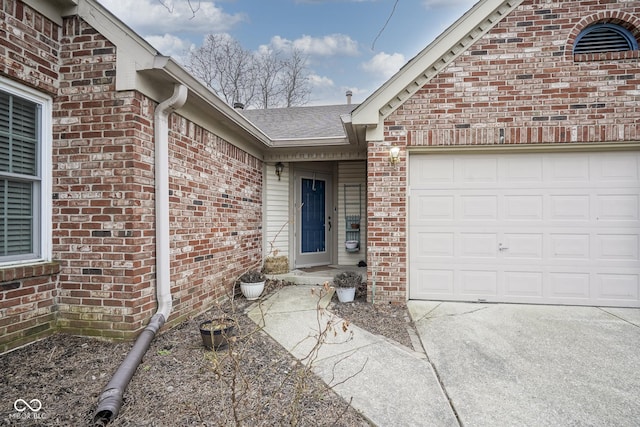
[[604, 38]]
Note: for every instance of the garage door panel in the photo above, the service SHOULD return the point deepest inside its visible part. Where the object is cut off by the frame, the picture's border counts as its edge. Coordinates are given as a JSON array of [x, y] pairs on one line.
[[433, 172], [622, 247], [434, 244], [569, 286], [518, 284], [520, 245], [618, 286], [537, 228], [566, 168], [618, 167], [567, 247], [618, 207], [523, 207], [476, 170], [478, 283], [429, 208], [430, 282], [521, 169], [479, 207], [478, 245], [565, 207]]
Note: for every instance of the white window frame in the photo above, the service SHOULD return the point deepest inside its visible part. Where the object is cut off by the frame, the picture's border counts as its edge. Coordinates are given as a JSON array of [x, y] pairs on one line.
[[43, 237]]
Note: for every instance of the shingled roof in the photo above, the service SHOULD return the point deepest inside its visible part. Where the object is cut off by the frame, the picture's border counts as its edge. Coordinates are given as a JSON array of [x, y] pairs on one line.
[[301, 123]]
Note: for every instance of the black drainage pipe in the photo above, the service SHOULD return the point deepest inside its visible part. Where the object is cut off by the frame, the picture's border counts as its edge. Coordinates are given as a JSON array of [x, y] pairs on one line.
[[110, 400]]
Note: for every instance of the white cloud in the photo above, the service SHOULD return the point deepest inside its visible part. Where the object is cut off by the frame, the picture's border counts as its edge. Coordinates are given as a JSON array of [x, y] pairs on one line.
[[148, 17], [384, 64], [329, 45], [320, 81], [171, 45]]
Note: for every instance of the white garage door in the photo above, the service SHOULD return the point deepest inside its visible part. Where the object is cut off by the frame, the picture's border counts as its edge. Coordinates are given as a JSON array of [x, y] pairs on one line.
[[554, 228]]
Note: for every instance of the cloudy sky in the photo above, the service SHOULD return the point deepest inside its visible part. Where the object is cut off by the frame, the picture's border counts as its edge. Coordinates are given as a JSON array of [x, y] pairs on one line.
[[351, 44]]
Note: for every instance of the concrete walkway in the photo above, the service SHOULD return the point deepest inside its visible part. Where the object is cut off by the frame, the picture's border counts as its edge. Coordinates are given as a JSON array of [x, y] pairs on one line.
[[389, 384], [496, 364]]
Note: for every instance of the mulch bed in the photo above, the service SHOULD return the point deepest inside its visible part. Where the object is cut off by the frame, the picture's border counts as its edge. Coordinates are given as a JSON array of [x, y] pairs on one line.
[[253, 381]]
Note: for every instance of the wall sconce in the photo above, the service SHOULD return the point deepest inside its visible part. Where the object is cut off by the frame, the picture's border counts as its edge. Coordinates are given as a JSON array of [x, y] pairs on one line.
[[279, 169], [394, 155]]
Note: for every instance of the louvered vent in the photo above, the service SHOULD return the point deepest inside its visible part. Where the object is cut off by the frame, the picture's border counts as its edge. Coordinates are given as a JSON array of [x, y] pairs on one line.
[[604, 38]]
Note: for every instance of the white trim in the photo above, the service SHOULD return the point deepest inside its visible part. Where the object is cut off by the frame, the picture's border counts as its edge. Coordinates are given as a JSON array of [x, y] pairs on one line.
[[45, 165]]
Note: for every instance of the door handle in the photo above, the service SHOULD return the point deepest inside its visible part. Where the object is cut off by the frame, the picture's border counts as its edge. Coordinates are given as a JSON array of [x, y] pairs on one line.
[[502, 248]]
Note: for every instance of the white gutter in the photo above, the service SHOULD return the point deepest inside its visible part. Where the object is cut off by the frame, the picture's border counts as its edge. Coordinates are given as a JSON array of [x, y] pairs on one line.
[[163, 273], [110, 400]]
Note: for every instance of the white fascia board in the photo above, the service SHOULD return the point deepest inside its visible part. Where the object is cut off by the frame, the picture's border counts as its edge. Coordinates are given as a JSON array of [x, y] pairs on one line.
[[177, 73], [442, 49], [310, 142]]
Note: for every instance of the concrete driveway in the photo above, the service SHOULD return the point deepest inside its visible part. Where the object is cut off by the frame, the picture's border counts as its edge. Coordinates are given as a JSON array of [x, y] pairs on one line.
[[524, 365]]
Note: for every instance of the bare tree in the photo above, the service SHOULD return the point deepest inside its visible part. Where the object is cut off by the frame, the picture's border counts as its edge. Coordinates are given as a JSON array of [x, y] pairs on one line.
[[263, 79], [295, 79], [225, 67], [267, 79]]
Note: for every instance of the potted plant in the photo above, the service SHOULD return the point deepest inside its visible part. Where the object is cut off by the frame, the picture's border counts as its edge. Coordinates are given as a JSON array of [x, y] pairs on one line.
[[346, 284], [215, 333], [252, 284]]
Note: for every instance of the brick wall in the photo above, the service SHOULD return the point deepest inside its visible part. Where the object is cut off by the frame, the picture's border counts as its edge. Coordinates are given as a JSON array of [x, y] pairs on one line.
[[103, 279], [386, 225], [103, 185], [104, 223], [215, 216], [520, 82], [29, 45]]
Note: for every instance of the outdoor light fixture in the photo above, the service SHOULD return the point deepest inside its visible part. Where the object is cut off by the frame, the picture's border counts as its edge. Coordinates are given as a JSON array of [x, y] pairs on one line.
[[394, 155], [279, 169]]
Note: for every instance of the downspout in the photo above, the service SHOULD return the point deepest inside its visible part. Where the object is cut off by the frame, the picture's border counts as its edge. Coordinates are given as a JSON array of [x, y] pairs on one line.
[[110, 400]]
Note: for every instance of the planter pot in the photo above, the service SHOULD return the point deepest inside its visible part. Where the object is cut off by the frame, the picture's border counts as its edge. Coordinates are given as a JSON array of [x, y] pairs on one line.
[[346, 294], [215, 333], [351, 244], [252, 291]]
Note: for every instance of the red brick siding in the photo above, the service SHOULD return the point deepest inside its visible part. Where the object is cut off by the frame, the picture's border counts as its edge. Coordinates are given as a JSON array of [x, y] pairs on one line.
[[215, 215], [29, 46], [521, 81], [103, 280], [104, 217], [27, 303], [386, 225], [103, 188]]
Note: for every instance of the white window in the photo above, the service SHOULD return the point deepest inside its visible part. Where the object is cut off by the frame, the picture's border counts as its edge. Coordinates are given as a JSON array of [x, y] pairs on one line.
[[25, 174]]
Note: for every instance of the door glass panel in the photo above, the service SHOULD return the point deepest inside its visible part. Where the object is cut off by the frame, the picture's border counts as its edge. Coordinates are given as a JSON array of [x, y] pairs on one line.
[[313, 216]]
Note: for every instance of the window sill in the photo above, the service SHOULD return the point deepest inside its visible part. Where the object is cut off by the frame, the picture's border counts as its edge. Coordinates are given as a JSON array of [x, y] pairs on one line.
[[24, 271]]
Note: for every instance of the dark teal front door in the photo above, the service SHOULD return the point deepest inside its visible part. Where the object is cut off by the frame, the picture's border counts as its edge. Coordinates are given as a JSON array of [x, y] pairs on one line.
[[313, 228], [313, 239]]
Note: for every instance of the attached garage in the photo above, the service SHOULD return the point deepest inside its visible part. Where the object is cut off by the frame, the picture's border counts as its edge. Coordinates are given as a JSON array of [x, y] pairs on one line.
[[526, 227]]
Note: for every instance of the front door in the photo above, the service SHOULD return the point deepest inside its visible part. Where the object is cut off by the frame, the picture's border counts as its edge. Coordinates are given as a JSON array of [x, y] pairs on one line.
[[313, 219]]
